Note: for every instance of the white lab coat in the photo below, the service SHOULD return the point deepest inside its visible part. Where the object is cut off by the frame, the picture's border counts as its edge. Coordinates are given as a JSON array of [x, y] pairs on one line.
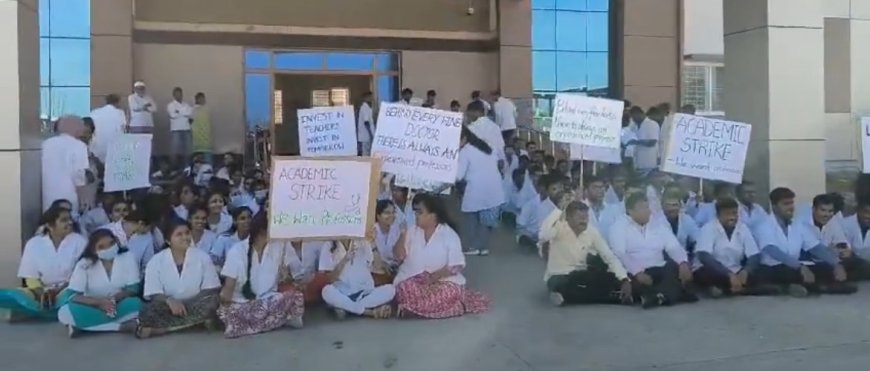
[[365, 115], [357, 273], [860, 243], [480, 172], [197, 274], [505, 114], [109, 123], [444, 249], [179, 115], [91, 279], [139, 115], [53, 266], [490, 133], [265, 272], [64, 161], [712, 239]]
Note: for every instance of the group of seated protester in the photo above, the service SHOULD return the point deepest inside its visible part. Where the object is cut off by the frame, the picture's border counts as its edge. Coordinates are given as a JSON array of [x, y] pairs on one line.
[[658, 246], [196, 253]]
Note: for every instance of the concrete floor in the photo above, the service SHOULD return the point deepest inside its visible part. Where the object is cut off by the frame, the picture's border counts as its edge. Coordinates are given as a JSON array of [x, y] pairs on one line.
[[522, 332]]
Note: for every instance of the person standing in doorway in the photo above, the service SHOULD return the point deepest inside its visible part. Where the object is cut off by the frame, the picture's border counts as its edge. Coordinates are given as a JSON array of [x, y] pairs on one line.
[[180, 118], [365, 126], [142, 110], [201, 128], [505, 115], [109, 122]]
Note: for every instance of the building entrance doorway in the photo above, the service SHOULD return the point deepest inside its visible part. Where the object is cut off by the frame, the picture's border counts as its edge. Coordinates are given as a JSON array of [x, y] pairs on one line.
[[299, 91]]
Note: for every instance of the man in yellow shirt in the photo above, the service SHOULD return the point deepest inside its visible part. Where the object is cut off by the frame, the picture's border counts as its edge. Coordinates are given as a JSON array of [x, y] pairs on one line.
[[581, 268]]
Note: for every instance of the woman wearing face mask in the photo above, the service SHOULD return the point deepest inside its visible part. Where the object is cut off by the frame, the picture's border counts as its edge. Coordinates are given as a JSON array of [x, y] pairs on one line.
[[46, 266], [250, 297], [388, 235], [203, 237], [219, 220], [241, 230], [181, 286], [103, 289], [186, 198], [133, 233]]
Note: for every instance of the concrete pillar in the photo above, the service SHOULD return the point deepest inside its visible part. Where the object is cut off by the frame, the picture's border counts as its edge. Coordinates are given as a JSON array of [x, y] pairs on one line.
[[20, 137], [111, 49], [650, 39], [515, 54], [774, 80]]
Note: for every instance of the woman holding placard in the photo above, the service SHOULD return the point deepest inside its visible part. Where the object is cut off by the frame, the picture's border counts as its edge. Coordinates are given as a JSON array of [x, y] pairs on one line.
[[349, 265], [484, 193], [429, 283]]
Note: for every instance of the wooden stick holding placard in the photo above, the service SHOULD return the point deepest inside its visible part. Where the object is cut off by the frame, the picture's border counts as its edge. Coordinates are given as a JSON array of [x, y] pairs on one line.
[[369, 211]]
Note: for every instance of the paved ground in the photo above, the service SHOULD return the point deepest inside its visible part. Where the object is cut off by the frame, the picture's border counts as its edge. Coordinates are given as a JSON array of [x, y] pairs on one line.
[[521, 333]]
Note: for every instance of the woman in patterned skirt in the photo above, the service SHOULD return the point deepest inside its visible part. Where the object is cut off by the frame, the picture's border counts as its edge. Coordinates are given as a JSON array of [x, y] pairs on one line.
[[181, 286], [430, 283], [250, 297]]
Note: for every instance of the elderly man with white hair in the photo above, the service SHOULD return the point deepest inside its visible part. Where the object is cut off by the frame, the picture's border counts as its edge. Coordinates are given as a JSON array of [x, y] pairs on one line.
[[65, 166], [142, 110]]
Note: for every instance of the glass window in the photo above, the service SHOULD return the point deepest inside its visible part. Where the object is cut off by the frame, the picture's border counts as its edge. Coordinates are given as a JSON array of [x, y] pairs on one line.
[[544, 29], [388, 88], [571, 31], [299, 61], [598, 32], [43, 61], [257, 59], [544, 4], [350, 61], [695, 87], [70, 62], [570, 71], [69, 18], [598, 71], [44, 103], [257, 100], [44, 18], [716, 103], [68, 101], [598, 5], [544, 70], [387, 62], [571, 4]]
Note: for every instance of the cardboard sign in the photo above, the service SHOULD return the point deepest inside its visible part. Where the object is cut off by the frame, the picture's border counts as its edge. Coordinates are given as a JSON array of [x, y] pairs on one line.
[[707, 148], [865, 141], [128, 163], [322, 199], [597, 154], [327, 131], [418, 142], [579, 119]]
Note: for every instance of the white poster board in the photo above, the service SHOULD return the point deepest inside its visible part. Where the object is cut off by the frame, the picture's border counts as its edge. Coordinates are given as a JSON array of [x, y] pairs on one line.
[[412, 182], [588, 121], [322, 199], [707, 148], [596, 154], [418, 142], [128, 163], [865, 141], [327, 131]]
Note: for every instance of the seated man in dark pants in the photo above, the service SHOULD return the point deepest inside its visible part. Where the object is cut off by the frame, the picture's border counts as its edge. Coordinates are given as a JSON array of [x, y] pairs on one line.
[[581, 269], [726, 256], [782, 240], [641, 246]]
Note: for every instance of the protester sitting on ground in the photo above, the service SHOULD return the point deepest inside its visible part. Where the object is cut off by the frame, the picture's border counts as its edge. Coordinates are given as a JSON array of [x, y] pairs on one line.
[[349, 265], [751, 213], [550, 187], [673, 219], [616, 188], [46, 265], [782, 242], [187, 197], [521, 191], [102, 295], [240, 231], [641, 246], [228, 164], [429, 283], [101, 214], [616, 211], [303, 258], [857, 231], [581, 268], [126, 230], [707, 210], [181, 286], [251, 303], [203, 237], [388, 234], [594, 200], [219, 219]]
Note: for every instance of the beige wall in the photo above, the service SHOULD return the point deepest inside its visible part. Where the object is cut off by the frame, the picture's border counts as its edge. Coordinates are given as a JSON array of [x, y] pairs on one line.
[[215, 70], [454, 75], [111, 49], [651, 51], [440, 15], [515, 49], [703, 27]]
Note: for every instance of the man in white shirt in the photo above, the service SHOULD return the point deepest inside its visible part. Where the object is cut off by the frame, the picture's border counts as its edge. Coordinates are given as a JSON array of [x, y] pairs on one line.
[[407, 96], [751, 213], [142, 110], [365, 125], [646, 151], [180, 118], [430, 100], [681, 225], [831, 230], [484, 128], [641, 247], [857, 229], [505, 116], [475, 97], [109, 123], [65, 166]]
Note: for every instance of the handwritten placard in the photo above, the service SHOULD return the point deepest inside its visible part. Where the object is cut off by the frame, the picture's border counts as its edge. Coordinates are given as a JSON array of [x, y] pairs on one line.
[[418, 142], [707, 148], [579, 119], [865, 141], [416, 183], [128, 163], [327, 131], [597, 154], [320, 198]]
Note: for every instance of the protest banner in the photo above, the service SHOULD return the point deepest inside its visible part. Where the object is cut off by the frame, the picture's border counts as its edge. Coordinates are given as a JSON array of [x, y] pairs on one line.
[[128, 163], [579, 119], [596, 154], [322, 198], [327, 131], [865, 143], [412, 182], [707, 148], [418, 142]]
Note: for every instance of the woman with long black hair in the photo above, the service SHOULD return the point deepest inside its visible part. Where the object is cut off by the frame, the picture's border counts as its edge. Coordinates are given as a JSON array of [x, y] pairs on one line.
[[484, 194]]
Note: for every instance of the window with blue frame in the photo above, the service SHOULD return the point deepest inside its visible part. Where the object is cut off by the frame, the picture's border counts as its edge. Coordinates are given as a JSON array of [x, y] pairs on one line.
[[64, 57], [570, 49], [261, 65]]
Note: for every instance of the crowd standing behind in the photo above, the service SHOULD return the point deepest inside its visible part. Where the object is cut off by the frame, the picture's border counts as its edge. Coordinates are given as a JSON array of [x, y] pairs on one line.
[[193, 250]]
